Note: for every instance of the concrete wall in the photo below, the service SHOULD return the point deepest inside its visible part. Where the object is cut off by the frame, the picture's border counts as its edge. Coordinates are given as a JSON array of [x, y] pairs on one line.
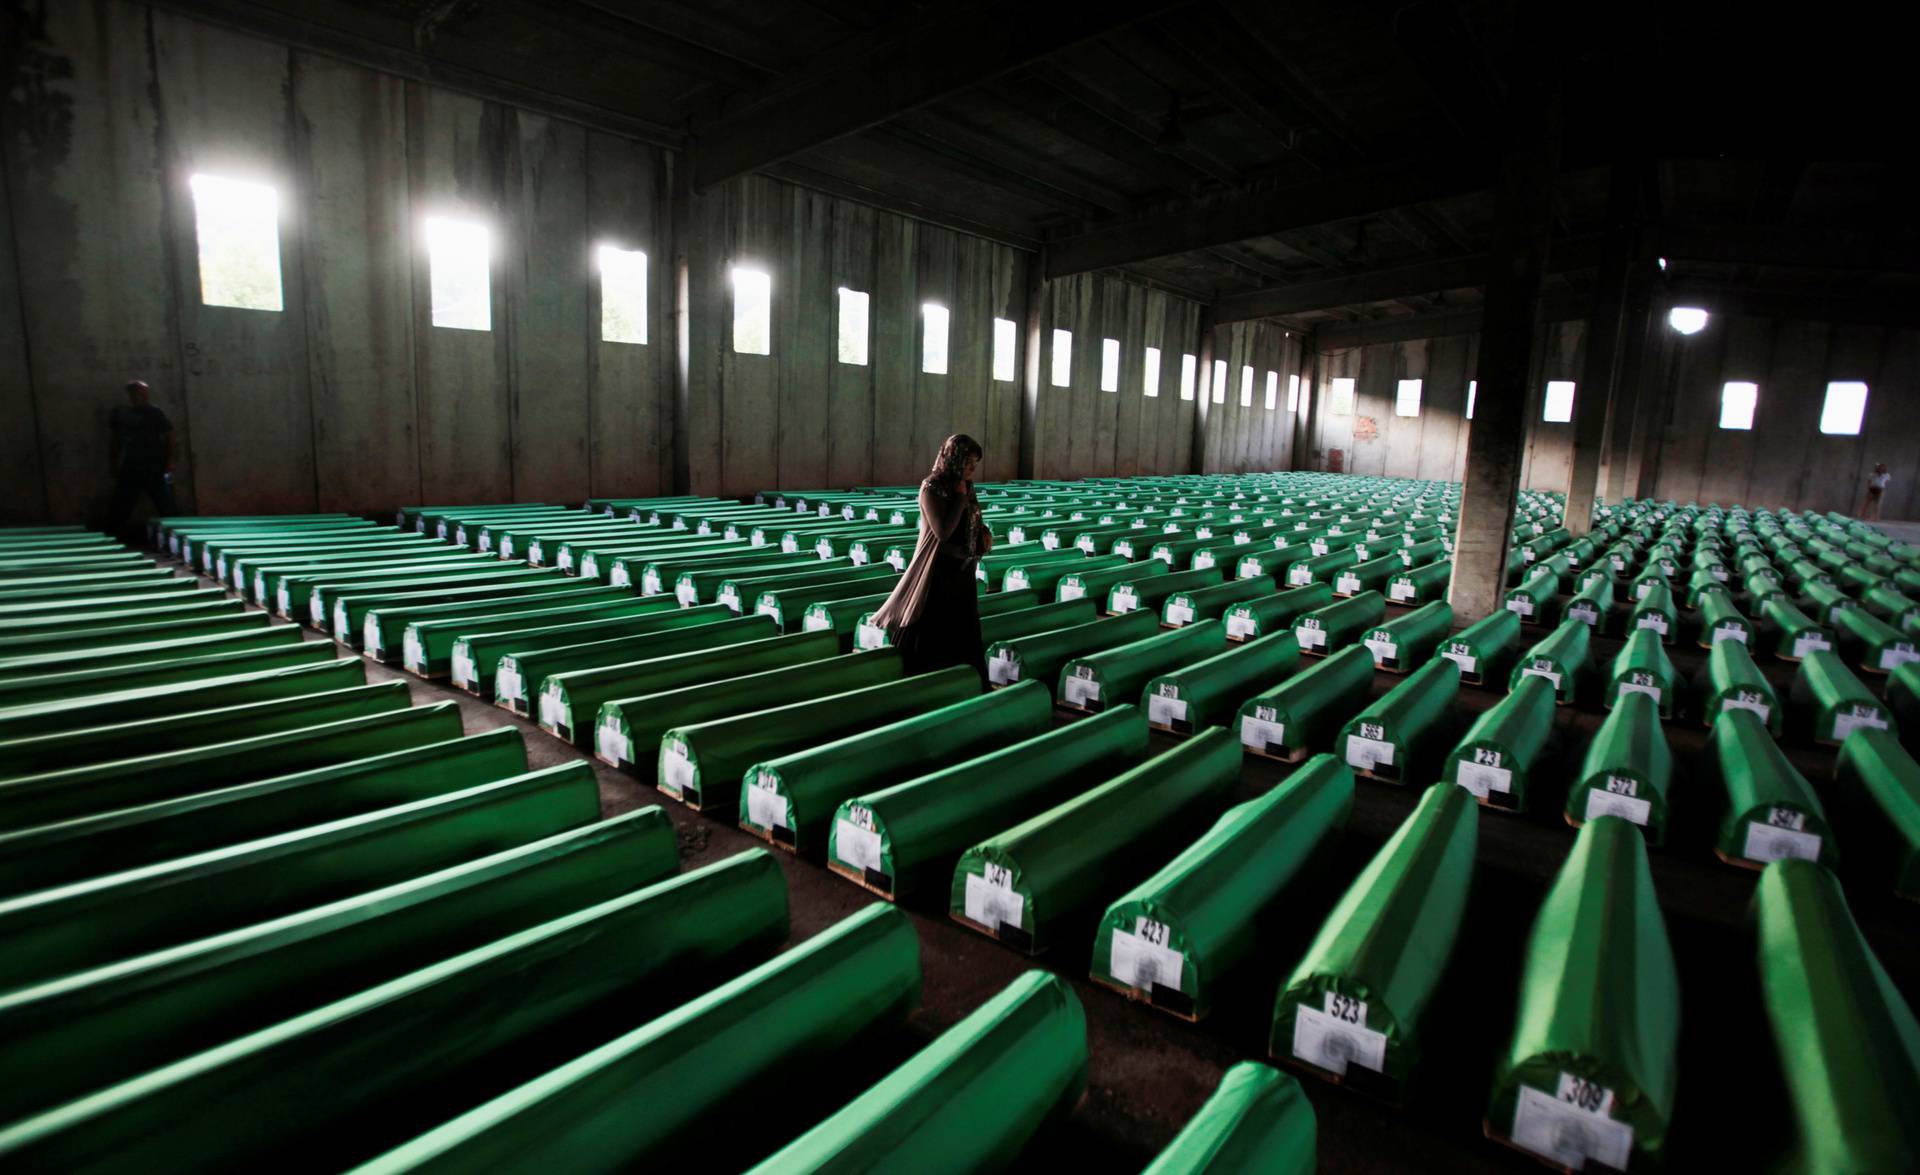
[[349, 399], [1248, 438]]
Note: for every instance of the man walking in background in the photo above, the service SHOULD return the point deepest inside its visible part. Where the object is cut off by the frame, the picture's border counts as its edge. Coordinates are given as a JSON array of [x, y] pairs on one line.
[[142, 457], [1876, 490]]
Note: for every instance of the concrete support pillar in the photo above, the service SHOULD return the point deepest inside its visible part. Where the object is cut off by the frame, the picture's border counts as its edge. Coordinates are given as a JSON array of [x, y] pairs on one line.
[[1599, 379], [1617, 478], [1303, 452], [1033, 331], [1202, 396], [1496, 445]]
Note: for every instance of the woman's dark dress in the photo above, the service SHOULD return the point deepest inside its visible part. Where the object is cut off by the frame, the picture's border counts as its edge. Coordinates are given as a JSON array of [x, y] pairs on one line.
[[939, 591]]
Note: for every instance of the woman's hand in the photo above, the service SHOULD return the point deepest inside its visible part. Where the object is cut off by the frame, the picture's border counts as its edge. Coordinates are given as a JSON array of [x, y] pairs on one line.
[[982, 540]]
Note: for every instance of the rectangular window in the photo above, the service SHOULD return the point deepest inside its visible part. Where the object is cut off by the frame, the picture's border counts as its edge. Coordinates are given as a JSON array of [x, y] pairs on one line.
[[1737, 402], [1219, 381], [1062, 358], [1473, 386], [854, 334], [1845, 408], [1246, 387], [752, 311], [933, 338], [1150, 383], [1188, 369], [1342, 402], [1406, 398], [623, 295], [1003, 349], [1293, 392], [1273, 390], [238, 227], [1559, 405], [459, 270], [1109, 365]]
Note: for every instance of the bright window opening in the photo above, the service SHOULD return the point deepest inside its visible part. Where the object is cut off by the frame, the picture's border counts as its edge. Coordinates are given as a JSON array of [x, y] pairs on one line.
[[1189, 366], [1406, 398], [459, 270], [1559, 405], [933, 338], [854, 335], [1845, 408], [623, 295], [1737, 402], [1109, 365], [1062, 358], [1246, 387], [1003, 349], [1473, 387], [1293, 392], [1150, 382], [752, 311], [238, 227], [1342, 402], [1688, 320], [1273, 390], [1219, 381]]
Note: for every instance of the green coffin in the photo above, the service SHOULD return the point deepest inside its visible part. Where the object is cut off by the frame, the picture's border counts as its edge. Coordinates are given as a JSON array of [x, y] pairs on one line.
[[1795, 633], [745, 594], [62, 624], [1484, 649], [1874, 763], [1371, 576], [1267, 615], [1424, 584], [792, 799], [1096, 585], [1258, 1120], [1561, 658], [146, 652], [1533, 600], [1497, 758], [474, 654], [383, 630], [1182, 608], [789, 606], [519, 671], [1848, 1042], [350, 609], [1592, 605], [702, 763], [738, 1045], [78, 643], [178, 672], [1337, 625], [967, 1102], [1040, 656], [1829, 703], [1772, 812], [1720, 620], [1400, 735], [1410, 639], [1306, 710], [1148, 593], [1351, 1008], [900, 838], [1210, 692], [1019, 885], [1872, 644], [1116, 676], [340, 1082], [1272, 564], [1048, 576], [1590, 1073], [1643, 667], [1735, 682], [1627, 771], [133, 705], [1173, 939]]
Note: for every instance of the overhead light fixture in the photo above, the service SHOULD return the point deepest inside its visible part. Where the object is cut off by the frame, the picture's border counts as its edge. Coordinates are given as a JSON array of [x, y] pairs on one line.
[[1172, 137], [1663, 264], [1688, 320]]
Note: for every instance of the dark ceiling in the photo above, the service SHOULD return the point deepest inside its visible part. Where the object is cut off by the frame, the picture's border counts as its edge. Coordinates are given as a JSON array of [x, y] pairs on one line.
[[1318, 163]]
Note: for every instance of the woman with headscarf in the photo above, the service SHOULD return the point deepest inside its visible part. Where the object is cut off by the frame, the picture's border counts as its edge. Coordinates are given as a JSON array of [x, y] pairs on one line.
[[933, 615]]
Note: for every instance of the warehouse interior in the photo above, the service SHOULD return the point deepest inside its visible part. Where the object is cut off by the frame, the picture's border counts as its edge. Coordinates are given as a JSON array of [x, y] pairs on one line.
[[1446, 540]]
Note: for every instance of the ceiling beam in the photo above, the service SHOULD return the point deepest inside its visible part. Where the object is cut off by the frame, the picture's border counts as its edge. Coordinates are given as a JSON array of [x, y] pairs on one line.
[[1790, 248], [929, 55], [1553, 308], [906, 203], [1386, 284], [1808, 306], [1240, 216]]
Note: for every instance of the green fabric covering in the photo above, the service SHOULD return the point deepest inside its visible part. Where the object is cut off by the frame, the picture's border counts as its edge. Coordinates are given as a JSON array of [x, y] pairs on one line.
[[1174, 938], [1357, 995], [1182, 608], [1735, 682], [1023, 882], [474, 654], [1095, 585], [1828, 701], [1410, 639], [1533, 600], [1627, 771], [1339, 624], [1305, 710], [521, 668], [737, 1045], [1272, 564], [1148, 593], [701, 763], [701, 686], [446, 1037], [172, 610], [1874, 762], [967, 1102], [1370, 576], [1656, 612], [1772, 811], [176, 671], [1401, 734], [78, 643], [1320, 568], [425, 645], [1422, 584], [1210, 692], [899, 839], [1642, 666], [1902, 693], [1591, 1069], [1116, 676], [1871, 644], [1495, 760], [1258, 1120], [93, 1028], [1796, 633], [1484, 649], [1561, 658], [1040, 656], [788, 606], [1592, 605], [742, 592], [793, 798], [1046, 576], [1267, 615], [1848, 1043], [29, 715], [1720, 620]]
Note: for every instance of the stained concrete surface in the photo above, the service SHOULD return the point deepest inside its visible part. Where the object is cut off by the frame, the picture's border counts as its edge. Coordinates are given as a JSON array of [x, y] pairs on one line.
[[1148, 1072]]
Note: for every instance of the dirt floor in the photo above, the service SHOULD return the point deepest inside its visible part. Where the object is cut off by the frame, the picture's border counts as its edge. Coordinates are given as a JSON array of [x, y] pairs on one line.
[[1149, 1072]]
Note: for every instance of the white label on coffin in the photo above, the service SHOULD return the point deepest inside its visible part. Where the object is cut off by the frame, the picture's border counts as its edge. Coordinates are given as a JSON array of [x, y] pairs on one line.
[[858, 553], [730, 596], [1260, 734], [1016, 578], [506, 550], [770, 608], [686, 593], [553, 710], [1318, 547], [1730, 632], [316, 611], [856, 846], [815, 621], [1239, 625], [1654, 621], [897, 560], [1249, 568], [1859, 719], [1767, 842], [676, 769], [1809, 643], [1080, 690], [1070, 590], [1348, 584], [1311, 638], [1123, 599], [1329, 1040], [1564, 1133], [1606, 803], [1898, 655], [341, 628], [1202, 559], [1550, 675], [1466, 661], [990, 905], [1750, 700], [463, 674], [259, 586], [565, 562], [1383, 651], [1179, 614], [412, 653], [370, 634], [1368, 753], [869, 636], [612, 742], [1401, 592], [621, 577], [1634, 687], [1137, 960], [486, 543], [1166, 711], [1003, 671], [507, 686], [1520, 605], [765, 806], [824, 548], [1585, 613], [1482, 779]]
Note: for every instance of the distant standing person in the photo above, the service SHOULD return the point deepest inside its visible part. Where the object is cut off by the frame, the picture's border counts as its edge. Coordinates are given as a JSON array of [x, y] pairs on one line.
[[1876, 490], [933, 615], [142, 456]]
